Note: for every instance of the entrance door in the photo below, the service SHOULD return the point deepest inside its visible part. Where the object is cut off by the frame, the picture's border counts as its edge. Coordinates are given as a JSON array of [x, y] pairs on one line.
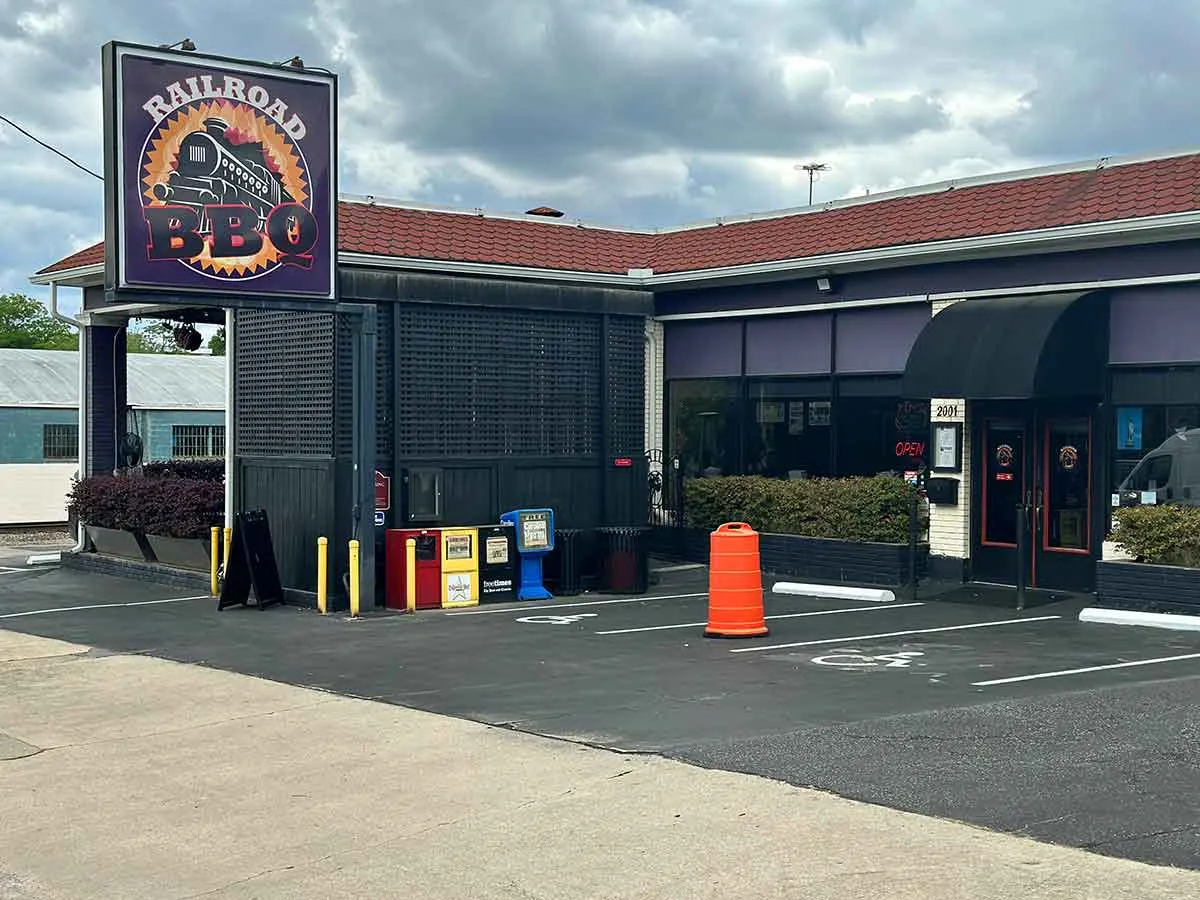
[[1035, 468]]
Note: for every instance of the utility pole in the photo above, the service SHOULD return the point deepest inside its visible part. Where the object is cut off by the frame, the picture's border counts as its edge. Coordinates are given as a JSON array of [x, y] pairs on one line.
[[812, 169]]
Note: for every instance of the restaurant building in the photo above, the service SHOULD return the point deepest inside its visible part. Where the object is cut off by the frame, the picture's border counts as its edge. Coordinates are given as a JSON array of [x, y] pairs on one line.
[[1029, 339]]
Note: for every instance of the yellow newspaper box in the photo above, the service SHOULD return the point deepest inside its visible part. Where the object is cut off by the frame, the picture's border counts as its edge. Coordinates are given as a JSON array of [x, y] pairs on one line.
[[460, 567]]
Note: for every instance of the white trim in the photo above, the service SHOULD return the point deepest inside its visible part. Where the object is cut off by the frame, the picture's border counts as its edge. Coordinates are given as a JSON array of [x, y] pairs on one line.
[[802, 308], [1110, 233], [1068, 286]]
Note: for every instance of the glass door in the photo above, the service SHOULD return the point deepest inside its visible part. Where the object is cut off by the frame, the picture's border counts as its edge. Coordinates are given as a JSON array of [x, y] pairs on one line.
[[1064, 558], [1003, 471]]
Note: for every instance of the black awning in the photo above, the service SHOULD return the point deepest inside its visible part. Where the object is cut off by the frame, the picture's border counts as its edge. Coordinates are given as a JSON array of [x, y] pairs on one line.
[[1007, 348]]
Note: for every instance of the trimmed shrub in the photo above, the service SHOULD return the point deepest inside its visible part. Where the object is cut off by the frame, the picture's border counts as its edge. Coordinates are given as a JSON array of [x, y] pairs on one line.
[[197, 469], [1161, 535], [847, 509], [170, 506]]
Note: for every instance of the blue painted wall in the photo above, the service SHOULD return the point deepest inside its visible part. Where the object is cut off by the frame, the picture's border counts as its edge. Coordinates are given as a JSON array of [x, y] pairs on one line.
[[155, 427], [21, 430]]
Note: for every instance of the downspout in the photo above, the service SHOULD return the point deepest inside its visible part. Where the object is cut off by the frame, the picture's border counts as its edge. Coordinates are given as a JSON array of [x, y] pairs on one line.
[[229, 448], [81, 535]]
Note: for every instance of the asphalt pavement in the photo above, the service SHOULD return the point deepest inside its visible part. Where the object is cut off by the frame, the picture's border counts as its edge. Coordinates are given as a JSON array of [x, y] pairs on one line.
[[1026, 722]]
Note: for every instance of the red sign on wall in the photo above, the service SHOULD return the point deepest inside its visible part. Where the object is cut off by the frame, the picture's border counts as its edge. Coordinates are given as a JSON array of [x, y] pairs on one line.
[[383, 492]]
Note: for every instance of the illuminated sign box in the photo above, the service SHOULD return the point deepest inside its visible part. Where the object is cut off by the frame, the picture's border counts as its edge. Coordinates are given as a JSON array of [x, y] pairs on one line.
[[220, 176]]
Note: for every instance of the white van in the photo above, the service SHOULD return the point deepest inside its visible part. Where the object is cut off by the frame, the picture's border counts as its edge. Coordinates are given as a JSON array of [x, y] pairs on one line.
[[1170, 473]]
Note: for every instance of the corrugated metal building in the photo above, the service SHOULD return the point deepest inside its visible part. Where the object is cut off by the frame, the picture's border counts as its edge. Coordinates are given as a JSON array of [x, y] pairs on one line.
[[176, 405]]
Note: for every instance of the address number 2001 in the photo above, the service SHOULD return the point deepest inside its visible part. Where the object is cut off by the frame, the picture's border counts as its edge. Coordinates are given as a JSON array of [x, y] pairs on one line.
[[946, 411]]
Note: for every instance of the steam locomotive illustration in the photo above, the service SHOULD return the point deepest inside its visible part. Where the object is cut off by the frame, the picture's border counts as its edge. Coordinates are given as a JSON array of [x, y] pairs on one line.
[[212, 170]]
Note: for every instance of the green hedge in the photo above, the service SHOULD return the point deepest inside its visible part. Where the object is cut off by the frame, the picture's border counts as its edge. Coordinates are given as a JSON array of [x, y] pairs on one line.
[[848, 509], [1162, 535]]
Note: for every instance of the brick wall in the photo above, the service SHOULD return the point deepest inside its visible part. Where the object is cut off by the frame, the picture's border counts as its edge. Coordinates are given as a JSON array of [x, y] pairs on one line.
[[950, 526]]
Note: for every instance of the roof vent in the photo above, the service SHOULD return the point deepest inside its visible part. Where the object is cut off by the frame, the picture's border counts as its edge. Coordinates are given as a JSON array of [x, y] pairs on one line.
[[548, 211]]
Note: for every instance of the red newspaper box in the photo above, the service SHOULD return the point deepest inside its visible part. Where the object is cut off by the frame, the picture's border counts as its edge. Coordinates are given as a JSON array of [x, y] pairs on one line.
[[429, 567]]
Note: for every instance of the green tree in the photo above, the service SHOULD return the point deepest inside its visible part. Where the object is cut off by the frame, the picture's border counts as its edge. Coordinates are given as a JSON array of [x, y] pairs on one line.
[[157, 337], [27, 325], [216, 343]]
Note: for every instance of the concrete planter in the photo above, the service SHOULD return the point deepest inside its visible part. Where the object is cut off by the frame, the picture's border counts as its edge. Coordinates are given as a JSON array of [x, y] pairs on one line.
[[814, 559], [122, 544], [1147, 588], [181, 553]]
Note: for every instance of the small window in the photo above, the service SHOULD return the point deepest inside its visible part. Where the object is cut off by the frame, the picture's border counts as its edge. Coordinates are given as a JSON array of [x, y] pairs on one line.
[[424, 495], [60, 442], [197, 441]]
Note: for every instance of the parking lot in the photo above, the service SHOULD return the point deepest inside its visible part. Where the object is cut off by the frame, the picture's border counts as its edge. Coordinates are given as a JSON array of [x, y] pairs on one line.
[[1028, 722]]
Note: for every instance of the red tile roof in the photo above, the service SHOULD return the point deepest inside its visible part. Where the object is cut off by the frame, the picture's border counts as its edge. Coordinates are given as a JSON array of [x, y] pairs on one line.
[[974, 208]]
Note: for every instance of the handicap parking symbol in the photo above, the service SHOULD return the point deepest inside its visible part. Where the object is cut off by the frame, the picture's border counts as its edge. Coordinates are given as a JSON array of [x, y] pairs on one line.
[[852, 658], [555, 620]]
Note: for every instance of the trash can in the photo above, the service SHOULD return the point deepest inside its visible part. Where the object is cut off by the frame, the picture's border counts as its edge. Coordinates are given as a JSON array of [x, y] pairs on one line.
[[564, 565], [626, 562]]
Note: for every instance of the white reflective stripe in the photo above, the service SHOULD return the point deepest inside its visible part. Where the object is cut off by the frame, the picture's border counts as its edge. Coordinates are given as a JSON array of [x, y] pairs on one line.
[[1121, 665], [868, 637], [820, 612]]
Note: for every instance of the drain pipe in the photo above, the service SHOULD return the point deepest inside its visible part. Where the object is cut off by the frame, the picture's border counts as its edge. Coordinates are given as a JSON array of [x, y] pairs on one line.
[[229, 419], [81, 356]]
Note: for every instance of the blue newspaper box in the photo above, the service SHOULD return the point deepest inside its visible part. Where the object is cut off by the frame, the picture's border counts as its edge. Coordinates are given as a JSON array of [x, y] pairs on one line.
[[534, 531]]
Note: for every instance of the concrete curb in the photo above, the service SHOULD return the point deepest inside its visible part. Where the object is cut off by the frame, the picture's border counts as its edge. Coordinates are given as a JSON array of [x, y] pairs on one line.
[[1174, 621], [44, 559], [834, 591]]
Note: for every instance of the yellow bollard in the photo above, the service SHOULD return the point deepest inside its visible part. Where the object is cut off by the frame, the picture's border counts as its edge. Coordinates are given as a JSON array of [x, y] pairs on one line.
[[354, 579], [410, 575], [228, 547], [216, 550], [323, 574]]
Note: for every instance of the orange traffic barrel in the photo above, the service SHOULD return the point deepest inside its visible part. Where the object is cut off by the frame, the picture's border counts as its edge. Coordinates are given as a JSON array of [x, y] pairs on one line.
[[735, 595]]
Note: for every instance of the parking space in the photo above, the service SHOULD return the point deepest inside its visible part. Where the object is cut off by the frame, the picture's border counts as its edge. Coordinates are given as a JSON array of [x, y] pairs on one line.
[[969, 710]]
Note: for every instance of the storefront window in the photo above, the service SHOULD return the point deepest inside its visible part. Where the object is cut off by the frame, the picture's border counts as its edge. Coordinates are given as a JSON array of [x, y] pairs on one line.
[[792, 428], [789, 428], [881, 434], [1157, 456], [703, 426]]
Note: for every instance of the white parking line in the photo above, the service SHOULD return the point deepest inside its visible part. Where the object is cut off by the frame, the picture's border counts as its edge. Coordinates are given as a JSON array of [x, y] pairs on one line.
[[524, 610], [6, 570], [63, 609], [821, 612], [1124, 665], [868, 637]]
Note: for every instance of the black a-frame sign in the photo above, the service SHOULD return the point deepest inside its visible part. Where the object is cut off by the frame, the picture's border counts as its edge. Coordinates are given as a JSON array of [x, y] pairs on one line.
[[251, 564]]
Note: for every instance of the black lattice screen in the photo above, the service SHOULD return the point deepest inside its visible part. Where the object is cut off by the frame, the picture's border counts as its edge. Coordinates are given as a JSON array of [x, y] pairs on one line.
[[385, 385], [626, 385], [344, 387], [285, 377], [482, 382]]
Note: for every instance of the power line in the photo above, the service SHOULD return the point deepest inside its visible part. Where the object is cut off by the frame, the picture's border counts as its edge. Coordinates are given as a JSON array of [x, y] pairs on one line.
[[48, 147]]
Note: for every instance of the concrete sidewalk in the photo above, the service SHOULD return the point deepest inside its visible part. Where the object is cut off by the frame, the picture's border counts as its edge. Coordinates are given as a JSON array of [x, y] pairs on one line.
[[130, 777]]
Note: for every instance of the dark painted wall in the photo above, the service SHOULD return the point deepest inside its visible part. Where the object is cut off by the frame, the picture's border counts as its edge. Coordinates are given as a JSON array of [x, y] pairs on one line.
[[1177, 257], [857, 341], [106, 397], [519, 394]]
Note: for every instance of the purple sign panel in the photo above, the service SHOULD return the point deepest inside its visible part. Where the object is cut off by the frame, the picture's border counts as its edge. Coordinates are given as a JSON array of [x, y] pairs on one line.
[[220, 176]]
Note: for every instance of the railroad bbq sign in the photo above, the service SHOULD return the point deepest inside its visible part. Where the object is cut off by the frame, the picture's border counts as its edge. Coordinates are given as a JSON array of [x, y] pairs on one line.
[[220, 175]]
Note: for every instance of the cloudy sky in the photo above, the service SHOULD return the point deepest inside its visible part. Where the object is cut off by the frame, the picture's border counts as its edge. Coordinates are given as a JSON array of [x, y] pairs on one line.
[[639, 112]]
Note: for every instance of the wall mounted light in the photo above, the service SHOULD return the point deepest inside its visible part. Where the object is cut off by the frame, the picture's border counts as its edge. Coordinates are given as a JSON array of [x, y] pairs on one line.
[[824, 285]]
